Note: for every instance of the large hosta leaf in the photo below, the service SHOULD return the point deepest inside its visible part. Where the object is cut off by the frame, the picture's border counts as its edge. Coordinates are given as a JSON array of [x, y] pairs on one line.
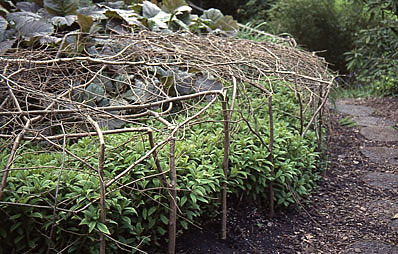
[[36, 29], [85, 22], [30, 25], [130, 17], [28, 6], [219, 21], [21, 18], [227, 23], [150, 10], [212, 14], [62, 21], [3, 27], [96, 12], [171, 5], [5, 45], [61, 7]]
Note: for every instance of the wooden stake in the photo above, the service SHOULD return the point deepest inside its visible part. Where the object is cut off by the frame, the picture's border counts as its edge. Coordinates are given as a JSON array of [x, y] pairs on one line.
[[173, 199], [271, 159], [101, 161], [225, 168]]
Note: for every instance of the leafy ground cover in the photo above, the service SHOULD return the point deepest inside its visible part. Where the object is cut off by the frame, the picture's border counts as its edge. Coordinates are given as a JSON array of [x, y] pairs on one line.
[[138, 215]]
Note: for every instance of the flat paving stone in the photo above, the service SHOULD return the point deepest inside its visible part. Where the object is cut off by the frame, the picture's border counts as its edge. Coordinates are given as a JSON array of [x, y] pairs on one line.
[[381, 154], [372, 121], [384, 210], [383, 134], [371, 247], [354, 110], [381, 180]]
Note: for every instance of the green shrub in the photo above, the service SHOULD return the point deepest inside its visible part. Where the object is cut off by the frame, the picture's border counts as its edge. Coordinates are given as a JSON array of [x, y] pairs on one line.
[[137, 206], [373, 61], [325, 26]]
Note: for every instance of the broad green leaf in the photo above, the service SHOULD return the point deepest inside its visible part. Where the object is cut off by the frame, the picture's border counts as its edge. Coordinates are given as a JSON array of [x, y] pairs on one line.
[[212, 14], [130, 17], [149, 10], [183, 200], [85, 3], [19, 19], [164, 219], [170, 6], [37, 215], [16, 216], [3, 233], [61, 7], [96, 12], [84, 222], [28, 6], [61, 21], [227, 23], [160, 21], [15, 226], [91, 226], [3, 27], [103, 228], [193, 197], [85, 22], [151, 210]]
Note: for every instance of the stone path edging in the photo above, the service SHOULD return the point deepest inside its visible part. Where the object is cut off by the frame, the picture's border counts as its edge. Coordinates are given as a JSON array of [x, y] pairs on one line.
[[379, 130]]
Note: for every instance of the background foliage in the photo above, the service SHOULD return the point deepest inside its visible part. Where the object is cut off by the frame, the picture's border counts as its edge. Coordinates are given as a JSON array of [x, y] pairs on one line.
[[328, 27], [373, 61]]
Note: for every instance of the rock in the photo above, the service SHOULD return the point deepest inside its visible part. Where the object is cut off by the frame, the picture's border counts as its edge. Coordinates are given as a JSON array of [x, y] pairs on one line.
[[382, 180], [372, 247], [354, 110], [381, 154], [372, 121], [383, 134]]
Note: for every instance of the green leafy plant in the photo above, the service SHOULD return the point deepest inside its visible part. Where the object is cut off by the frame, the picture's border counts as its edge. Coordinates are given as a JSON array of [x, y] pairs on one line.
[[347, 121], [47, 23], [328, 27], [138, 205]]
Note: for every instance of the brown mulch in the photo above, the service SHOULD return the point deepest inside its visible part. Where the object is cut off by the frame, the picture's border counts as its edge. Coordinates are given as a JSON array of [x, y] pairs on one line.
[[346, 215]]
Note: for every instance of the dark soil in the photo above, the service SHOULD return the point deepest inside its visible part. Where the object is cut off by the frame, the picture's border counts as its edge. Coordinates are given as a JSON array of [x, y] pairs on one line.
[[348, 214]]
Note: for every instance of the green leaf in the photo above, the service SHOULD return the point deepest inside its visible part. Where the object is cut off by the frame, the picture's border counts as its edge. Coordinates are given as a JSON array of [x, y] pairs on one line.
[[62, 21], [85, 22], [152, 210], [193, 197], [3, 27], [91, 226], [164, 219], [171, 5], [3, 233], [183, 200], [16, 216], [15, 226], [61, 7], [37, 215], [150, 10], [103, 228], [130, 17]]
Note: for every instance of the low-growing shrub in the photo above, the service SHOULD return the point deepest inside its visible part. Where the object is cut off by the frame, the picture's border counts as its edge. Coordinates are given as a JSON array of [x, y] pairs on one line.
[[137, 205]]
